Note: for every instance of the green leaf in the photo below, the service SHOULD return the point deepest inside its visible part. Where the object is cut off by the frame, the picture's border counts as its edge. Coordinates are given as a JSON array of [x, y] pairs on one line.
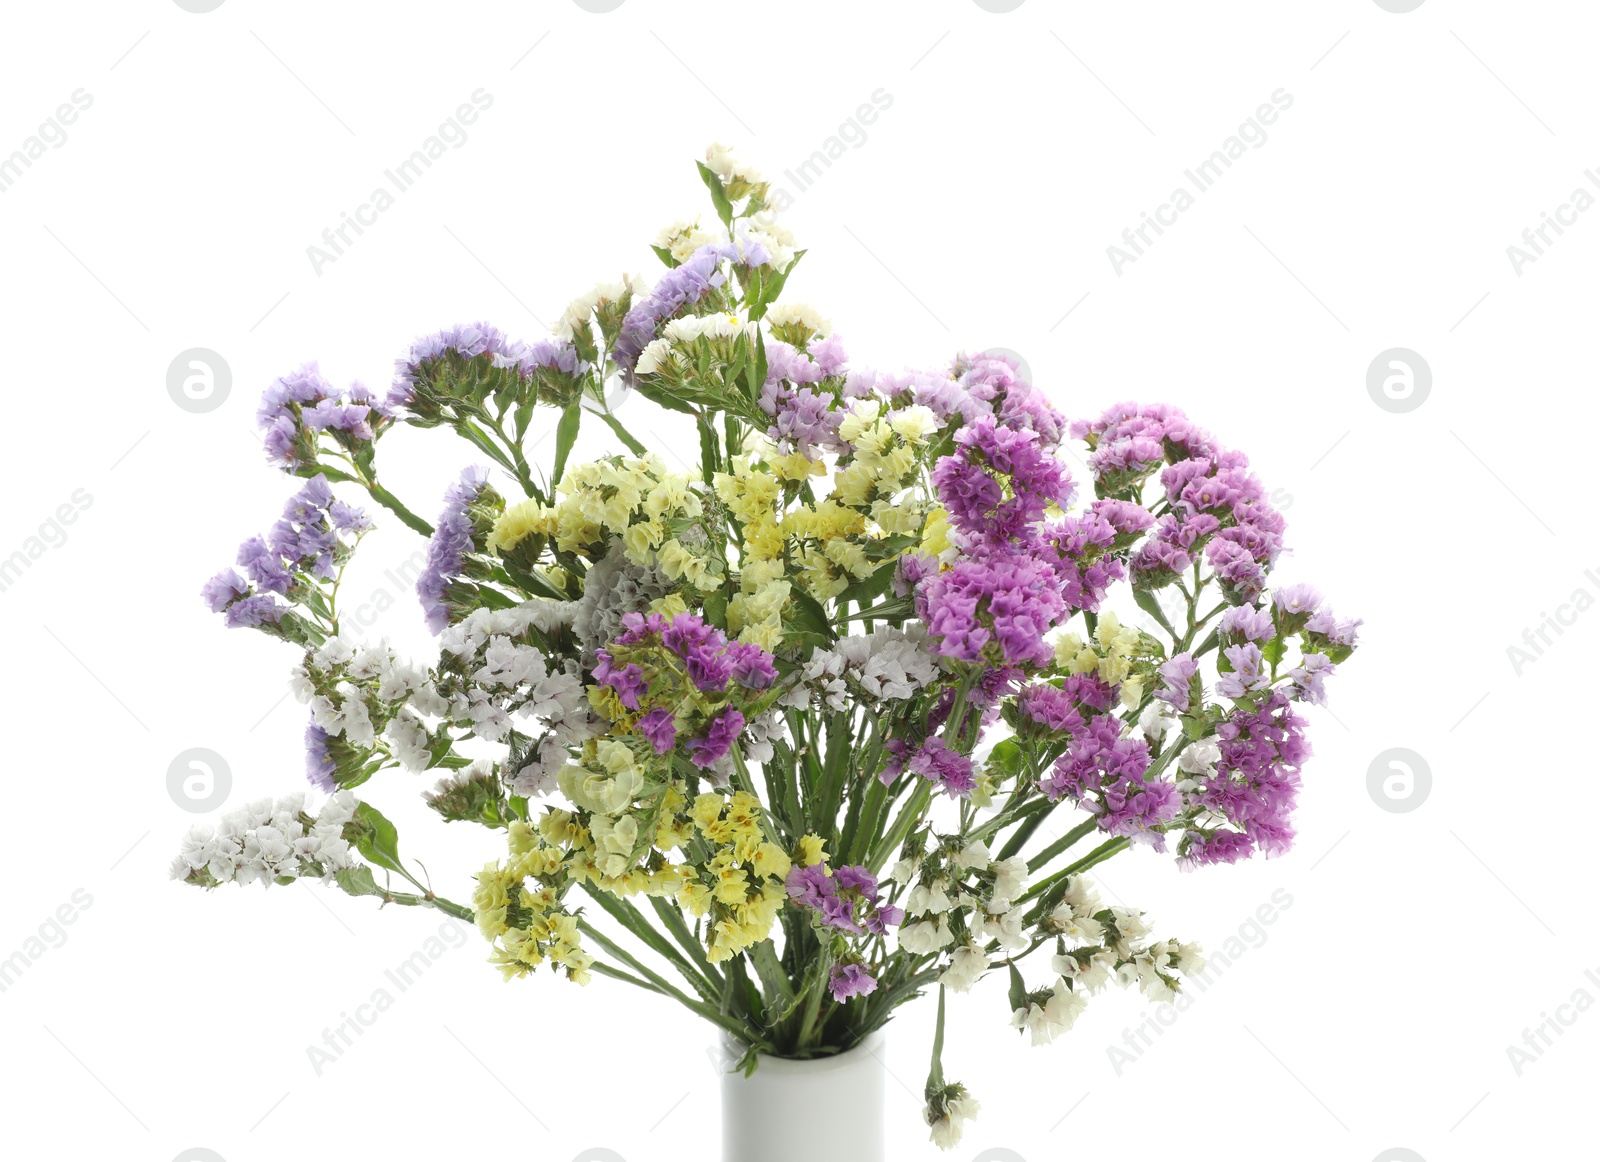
[[716, 608], [1273, 651], [809, 616], [357, 881], [708, 450], [566, 436], [376, 838], [719, 195], [871, 587], [623, 434], [1146, 601], [665, 255], [1018, 994]]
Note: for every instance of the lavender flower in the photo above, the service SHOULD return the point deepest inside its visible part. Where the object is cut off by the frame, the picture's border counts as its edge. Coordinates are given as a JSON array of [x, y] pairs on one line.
[[453, 538], [850, 980]]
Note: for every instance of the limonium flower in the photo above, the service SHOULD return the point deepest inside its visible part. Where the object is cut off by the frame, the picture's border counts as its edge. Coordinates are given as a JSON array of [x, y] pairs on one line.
[[453, 538]]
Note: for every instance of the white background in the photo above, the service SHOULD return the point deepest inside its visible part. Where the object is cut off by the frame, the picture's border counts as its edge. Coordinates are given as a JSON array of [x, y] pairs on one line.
[[1377, 1009]]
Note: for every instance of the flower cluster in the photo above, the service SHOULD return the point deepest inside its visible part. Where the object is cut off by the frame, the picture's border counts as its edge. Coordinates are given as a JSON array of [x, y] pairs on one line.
[[304, 549], [840, 713]]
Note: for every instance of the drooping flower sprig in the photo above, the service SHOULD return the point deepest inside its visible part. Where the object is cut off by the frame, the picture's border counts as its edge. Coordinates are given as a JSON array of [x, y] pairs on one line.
[[839, 715]]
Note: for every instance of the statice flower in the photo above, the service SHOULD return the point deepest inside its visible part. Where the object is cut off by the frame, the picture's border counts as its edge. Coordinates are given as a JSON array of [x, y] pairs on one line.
[[455, 536], [301, 406], [1253, 787], [935, 761], [316, 532], [428, 356], [270, 840], [999, 481], [847, 899], [708, 749], [683, 285], [1009, 598], [850, 980]]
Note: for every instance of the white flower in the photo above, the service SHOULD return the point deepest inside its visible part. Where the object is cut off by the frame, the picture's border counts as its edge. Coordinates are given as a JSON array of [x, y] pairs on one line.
[[928, 899], [800, 315], [1200, 758], [922, 936], [300, 684], [408, 740], [974, 856], [946, 1115], [1157, 720], [913, 423], [967, 964], [1055, 1016], [651, 358], [1077, 929], [1006, 928], [1008, 880]]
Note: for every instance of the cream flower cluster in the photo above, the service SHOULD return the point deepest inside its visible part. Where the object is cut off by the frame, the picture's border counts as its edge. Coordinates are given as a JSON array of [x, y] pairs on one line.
[[269, 840]]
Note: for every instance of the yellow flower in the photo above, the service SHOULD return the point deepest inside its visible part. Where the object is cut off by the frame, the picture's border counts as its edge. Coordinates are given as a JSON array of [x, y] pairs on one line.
[[810, 851]]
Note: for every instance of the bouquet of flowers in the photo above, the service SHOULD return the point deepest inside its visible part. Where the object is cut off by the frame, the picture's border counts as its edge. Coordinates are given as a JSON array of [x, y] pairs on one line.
[[836, 718]]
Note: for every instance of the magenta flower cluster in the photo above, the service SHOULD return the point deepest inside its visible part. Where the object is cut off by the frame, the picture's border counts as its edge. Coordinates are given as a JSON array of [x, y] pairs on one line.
[[847, 899], [1254, 787]]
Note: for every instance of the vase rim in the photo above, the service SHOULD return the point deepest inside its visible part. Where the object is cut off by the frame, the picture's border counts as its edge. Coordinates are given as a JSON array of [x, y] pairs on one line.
[[869, 1044]]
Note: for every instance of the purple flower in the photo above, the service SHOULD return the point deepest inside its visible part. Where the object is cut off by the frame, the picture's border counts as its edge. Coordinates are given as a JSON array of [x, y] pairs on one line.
[[1308, 677], [1246, 673], [628, 681], [1243, 623], [1256, 781], [1175, 675], [253, 611], [467, 340], [1009, 597], [319, 763], [850, 980], [1296, 605], [452, 540], [1052, 708], [935, 761], [223, 589], [752, 665], [719, 736], [658, 727], [681, 286], [989, 462], [1104, 772]]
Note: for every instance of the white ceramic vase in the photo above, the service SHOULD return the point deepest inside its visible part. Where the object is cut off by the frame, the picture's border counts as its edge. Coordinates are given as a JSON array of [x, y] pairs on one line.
[[806, 1111]]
